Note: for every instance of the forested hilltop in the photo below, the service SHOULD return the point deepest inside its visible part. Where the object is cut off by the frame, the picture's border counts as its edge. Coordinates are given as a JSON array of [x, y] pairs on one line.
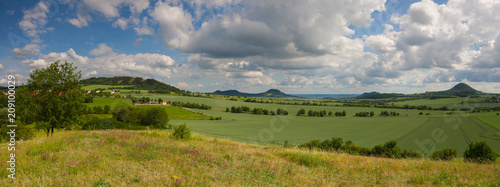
[[137, 83]]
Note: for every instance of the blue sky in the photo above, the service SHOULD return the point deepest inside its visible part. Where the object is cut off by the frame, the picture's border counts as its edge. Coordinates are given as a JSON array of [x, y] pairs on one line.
[[318, 47]]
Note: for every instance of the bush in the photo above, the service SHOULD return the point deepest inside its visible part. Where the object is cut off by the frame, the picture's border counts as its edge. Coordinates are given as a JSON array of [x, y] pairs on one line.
[[445, 154], [410, 153], [388, 150], [479, 152], [120, 113], [23, 132], [182, 132], [101, 124], [311, 144]]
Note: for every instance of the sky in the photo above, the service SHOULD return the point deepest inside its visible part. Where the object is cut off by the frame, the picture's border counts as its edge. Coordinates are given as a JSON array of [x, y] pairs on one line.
[[297, 46]]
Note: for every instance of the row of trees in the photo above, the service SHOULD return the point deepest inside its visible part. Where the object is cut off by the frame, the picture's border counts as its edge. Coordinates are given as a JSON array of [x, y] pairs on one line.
[[154, 117], [190, 105], [387, 113], [323, 113], [365, 114], [259, 111], [96, 109]]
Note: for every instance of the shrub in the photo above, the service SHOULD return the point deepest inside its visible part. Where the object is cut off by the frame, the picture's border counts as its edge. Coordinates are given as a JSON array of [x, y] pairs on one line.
[[101, 124], [23, 132], [182, 132], [445, 154], [388, 150], [120, 113], [311, 144], [479, 152], [410, 153]]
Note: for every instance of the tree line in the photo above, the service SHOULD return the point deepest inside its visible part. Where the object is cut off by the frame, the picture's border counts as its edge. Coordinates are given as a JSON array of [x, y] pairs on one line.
[[322, 113], [258, 111]]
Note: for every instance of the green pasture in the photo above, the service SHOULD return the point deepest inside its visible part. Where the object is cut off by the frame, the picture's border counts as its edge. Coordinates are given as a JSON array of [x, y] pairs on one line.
[[112, 102], [96, 86]]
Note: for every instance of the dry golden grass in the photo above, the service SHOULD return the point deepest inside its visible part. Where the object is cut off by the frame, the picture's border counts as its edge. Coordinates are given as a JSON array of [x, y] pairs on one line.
[[152, 158]]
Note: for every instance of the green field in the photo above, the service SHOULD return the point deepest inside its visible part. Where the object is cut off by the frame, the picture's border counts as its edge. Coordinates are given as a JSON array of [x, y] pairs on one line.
[[450, 102], [173, 112], [112, 102], [411, 131]]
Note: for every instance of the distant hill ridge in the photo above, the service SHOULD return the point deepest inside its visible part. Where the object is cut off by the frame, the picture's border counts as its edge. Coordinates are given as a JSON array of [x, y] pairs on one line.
[[459, 90], [268, 93], [137, 83]]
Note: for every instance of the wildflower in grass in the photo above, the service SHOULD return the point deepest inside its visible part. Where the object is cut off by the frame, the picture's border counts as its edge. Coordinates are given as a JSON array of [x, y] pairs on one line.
[[45, 156]]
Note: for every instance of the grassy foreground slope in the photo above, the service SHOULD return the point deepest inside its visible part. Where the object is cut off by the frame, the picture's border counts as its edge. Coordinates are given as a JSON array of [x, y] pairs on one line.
[[152, 158]]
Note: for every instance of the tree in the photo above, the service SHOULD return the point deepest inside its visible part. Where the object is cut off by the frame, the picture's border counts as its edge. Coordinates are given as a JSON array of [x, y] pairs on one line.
[[157, 118], [107, 109], [52, 97]]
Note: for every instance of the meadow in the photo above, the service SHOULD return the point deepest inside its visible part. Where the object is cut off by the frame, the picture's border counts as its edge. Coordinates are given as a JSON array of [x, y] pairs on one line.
[[153, 158]]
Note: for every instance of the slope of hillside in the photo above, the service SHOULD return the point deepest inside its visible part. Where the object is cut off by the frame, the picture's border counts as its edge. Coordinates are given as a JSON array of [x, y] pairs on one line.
[[134, 82], [268, 93], [152, 158]]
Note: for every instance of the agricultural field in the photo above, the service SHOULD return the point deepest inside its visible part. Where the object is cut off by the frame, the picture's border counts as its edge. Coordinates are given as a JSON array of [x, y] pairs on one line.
[[410, 129], [450, 102], [154, 158]]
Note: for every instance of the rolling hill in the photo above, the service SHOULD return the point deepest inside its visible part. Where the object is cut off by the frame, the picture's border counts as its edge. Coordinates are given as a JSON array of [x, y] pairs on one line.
[[132, 83], [268, 93], [459, 90]]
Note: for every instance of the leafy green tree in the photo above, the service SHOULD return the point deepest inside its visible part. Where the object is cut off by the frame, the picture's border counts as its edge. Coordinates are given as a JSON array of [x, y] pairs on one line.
[[52, 96], [89, 99], [107, 108], [156, 117], [120, 113]]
